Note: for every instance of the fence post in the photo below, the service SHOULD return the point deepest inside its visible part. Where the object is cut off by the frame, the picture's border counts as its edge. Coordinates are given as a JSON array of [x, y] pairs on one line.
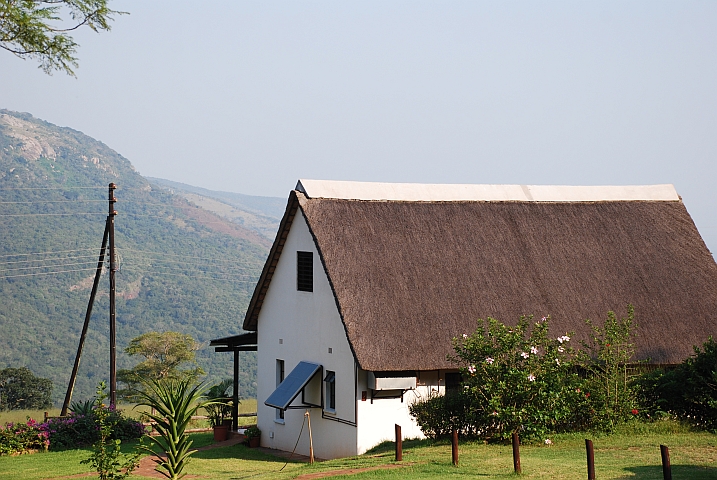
[[399, 443], [454, 446], [516, 453], [666, 467], [591, 459]]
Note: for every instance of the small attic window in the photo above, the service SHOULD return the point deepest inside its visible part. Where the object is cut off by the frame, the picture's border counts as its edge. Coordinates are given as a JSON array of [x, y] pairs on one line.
[[305, 271]]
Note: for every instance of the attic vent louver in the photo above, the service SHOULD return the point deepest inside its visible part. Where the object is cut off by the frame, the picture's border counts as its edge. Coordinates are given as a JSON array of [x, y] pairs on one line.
[[305, 271]]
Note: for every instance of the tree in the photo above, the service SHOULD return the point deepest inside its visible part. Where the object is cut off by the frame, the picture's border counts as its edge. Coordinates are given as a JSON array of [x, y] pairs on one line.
[[20, 389], [36, 29], [164, 354]]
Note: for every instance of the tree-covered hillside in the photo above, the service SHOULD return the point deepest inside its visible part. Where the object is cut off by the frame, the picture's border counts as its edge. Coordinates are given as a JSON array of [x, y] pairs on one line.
[[181, 267]]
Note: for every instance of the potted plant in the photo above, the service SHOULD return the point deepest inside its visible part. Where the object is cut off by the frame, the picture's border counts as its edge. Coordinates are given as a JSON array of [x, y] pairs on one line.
[[253, 436], [219, 412]]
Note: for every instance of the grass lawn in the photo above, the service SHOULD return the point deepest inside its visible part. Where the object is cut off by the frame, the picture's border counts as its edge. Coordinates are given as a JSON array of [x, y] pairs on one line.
[[632, 453]]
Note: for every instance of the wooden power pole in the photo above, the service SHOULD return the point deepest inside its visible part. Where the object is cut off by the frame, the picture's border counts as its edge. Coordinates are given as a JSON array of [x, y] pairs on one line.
[[113, 268]]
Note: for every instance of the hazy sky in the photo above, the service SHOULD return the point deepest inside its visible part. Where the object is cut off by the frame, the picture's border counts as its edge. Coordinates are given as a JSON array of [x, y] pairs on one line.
[[250, 96]]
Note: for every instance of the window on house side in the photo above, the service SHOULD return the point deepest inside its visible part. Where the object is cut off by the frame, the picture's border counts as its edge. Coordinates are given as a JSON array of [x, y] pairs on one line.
[[453, 382], [279, 379], [305, 271], [330, 381]]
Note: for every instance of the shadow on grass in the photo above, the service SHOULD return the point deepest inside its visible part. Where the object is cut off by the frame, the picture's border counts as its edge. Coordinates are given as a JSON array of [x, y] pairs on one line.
[[241, 452], [693, 472], [388, 447]]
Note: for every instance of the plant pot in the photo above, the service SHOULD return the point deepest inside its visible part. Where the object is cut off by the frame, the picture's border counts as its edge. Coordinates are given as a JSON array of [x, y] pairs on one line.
[[254, 442], [221, 432]]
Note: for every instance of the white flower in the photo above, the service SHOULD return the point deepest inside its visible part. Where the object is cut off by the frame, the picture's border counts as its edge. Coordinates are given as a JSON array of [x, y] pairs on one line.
[[531, 377], [557, 361], [524, 354], [564, 338], [472, 369], [534, 350], [489, 360], [465, 336], [543, 319], [548, 441], [561, 349]]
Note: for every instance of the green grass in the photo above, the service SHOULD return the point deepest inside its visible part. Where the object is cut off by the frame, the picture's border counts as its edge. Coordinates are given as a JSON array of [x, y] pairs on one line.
[[632, 453]]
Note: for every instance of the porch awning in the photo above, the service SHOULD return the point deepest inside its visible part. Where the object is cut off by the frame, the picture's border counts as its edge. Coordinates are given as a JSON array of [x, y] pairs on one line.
[[246, 342], [292, 385]]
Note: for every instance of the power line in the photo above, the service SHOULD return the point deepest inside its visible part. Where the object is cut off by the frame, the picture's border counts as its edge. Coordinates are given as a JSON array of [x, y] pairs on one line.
[[49, 273], [47, 266], [174, 255], [53, 201], [46, 259], [47, 253], [49, 214], [50, 188]]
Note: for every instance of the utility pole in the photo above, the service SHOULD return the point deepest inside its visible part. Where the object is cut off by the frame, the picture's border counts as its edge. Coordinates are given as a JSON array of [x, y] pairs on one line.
[[113, 268], [88, 314]]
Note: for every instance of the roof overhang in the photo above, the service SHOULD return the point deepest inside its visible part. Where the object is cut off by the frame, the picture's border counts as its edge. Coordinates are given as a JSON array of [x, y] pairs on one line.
[[246, 342]]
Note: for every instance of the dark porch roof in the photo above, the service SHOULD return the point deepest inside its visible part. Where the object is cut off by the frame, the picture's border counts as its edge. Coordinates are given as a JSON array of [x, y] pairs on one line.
[[245, 342]]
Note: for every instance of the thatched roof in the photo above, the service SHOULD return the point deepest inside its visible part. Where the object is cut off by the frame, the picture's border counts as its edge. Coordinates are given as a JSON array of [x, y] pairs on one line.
[[409, 276]]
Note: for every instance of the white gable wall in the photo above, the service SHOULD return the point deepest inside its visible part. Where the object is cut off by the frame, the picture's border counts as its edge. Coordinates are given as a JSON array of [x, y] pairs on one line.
[[308, 324]]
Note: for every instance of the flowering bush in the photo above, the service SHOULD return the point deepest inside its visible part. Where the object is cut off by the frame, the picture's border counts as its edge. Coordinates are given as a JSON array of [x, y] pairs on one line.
[[518, 379], [62, 433], [23, 437], [81, 430]]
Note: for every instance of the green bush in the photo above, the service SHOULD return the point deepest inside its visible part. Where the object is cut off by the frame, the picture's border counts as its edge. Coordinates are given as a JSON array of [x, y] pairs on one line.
[[519, 380], [23, 437], [688, 392], [438, 415], [606, 360]]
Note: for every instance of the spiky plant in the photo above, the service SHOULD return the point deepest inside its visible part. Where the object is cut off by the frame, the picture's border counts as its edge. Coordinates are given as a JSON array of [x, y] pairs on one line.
[[82, 408], [174, 402]]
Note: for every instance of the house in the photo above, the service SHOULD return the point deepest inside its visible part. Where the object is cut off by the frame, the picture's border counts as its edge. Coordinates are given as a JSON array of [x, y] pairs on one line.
[[367, 283]]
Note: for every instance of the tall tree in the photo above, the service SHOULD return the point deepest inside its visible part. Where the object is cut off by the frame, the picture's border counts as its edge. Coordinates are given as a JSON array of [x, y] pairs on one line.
[[40, 29], [164, 353], [20, 389]]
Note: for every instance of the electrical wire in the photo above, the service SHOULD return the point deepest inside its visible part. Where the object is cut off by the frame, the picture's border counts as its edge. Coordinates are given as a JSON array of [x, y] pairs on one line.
[[49, 188], [52, 252], [170, 254], [49, 214], [45, 259], [52, 201], [49, 273], [47, 266]]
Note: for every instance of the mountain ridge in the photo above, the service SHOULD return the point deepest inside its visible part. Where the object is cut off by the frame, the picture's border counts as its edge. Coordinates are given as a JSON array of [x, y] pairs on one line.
[[181, 267]]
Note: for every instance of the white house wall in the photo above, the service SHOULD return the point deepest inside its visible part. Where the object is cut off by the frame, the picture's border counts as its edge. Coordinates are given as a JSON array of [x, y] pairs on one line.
[[295, 326]]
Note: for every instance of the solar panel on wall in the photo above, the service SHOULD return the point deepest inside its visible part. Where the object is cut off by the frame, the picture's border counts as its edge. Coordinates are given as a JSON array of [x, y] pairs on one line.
[[292, 385]]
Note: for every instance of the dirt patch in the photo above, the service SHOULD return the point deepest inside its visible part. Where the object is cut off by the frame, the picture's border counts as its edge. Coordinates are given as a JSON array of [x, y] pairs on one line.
[[348, 471]]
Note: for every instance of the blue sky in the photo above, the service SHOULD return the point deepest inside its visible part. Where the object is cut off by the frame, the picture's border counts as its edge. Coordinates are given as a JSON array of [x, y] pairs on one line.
[[250, 96]]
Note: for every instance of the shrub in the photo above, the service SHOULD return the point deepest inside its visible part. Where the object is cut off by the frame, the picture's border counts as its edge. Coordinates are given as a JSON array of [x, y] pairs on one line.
[[688, 392], [438, 415], [606, 360], [23, 437], [517, 379], [175, 402], [76, 431], [107, 459]]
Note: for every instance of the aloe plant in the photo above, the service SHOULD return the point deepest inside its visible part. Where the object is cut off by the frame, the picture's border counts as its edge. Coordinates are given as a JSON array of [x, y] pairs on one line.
[[174, 403]]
